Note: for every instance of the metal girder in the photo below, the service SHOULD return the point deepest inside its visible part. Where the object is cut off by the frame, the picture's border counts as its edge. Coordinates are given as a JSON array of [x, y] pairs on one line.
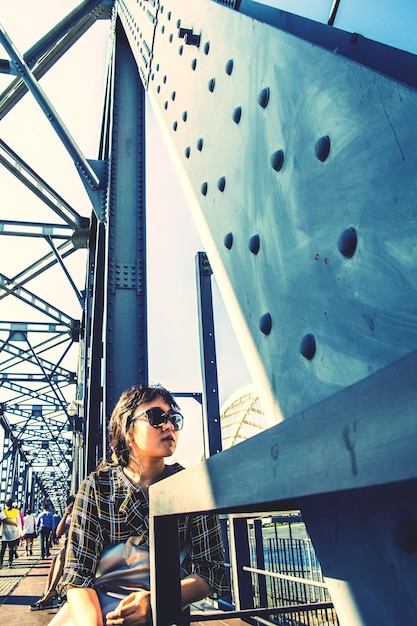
[[211, 406], [267, 138], [300, 164], [126, 359], [33, 229], [84, 167], [12, 287], [23, 172], [48, 50]]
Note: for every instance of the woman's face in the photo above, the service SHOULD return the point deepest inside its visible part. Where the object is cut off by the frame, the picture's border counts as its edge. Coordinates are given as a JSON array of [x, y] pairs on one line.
[[149, 441]]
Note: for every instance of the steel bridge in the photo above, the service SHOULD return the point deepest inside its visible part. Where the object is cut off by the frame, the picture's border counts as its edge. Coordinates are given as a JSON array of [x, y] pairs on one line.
[[294, 140]]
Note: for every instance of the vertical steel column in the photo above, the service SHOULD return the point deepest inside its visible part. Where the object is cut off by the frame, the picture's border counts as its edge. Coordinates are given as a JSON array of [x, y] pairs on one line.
[[260, 561], [240, 556], [165, 571], [211, 408], [126, 359], [93, 398]]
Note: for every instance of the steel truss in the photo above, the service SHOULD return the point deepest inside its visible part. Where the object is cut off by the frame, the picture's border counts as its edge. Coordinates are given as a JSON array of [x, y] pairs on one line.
[[42, 345], [296, 145]]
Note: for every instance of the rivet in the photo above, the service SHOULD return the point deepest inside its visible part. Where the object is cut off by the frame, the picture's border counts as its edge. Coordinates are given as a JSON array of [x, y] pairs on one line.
[[184, 116], [158, 89], [204, 189], [169, 15], [404, 531], [263, 97], [187, 152], [347, 242], [322, 148], [175, 126], [254, 244], [171, 37], [164, 79], [229, 67], [265, 323], [237, 114], [277, 160], [173, 95], [180, 50], [166, 104], [228, 240], [308, 346], [221, 183], [211, 84], [206, 47], [178, 23], [193, 64], [200, 143]]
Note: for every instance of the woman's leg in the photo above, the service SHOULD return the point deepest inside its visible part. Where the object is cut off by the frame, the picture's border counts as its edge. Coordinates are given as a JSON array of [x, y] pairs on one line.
[[12, 550], [54, 575], [2, 551]]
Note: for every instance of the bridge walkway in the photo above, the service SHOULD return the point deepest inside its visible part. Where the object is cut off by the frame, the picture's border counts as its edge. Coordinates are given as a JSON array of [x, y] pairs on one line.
[[21, 585]]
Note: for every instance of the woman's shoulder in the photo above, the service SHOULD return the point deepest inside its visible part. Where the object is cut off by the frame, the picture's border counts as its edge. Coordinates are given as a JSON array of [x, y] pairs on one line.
[[172, 469]]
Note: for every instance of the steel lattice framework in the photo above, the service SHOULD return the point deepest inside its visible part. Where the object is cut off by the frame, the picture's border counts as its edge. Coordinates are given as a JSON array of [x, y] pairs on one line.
[[295, 142]]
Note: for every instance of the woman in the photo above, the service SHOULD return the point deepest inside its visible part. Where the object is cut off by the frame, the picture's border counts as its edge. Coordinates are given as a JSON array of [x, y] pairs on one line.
[[112, 506], [46, 601], [12, 530], [29, 531]]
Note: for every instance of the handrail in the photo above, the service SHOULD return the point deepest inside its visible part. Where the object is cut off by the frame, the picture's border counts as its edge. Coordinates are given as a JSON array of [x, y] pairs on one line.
[[365, 407], [296, 579], [278, 610]]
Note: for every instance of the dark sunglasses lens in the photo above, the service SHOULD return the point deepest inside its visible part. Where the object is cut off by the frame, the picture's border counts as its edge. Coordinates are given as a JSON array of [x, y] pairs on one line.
[[157, 418]]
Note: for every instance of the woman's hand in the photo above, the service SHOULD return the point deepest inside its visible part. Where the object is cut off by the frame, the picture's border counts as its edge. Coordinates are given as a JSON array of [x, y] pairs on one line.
[[134, 609]]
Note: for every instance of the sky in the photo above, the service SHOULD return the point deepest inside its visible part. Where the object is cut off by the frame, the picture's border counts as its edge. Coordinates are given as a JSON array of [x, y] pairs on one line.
[[75, 88]]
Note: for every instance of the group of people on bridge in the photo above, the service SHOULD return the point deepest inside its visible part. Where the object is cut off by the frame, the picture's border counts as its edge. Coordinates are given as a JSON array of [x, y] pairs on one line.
[[17, 528]]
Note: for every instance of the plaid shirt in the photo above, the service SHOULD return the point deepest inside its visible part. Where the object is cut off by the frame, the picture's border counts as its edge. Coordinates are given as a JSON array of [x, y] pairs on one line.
[[109, 509]]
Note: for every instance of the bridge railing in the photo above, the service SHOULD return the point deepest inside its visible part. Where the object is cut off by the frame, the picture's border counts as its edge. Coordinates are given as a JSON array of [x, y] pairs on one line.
[[280, 468]]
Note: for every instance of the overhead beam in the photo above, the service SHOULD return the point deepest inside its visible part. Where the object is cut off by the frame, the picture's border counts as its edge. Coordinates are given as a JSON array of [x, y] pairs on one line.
[[84, 168], [52, 46]]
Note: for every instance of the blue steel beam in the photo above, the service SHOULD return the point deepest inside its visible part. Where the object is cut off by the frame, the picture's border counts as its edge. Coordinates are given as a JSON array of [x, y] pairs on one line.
[[84, 168], [51, 47], [33, 229], [211, 406], [23, 172], [11, 287], [126, 359]]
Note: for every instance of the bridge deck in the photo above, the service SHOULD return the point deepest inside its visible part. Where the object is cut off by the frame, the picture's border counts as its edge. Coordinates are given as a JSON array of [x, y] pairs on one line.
[[21, 586]]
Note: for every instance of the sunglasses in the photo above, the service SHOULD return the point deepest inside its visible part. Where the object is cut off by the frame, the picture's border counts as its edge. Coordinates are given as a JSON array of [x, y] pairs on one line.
[[158, 418]]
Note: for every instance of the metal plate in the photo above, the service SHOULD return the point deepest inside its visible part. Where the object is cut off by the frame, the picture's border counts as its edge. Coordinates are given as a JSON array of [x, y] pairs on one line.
[[360, 310]]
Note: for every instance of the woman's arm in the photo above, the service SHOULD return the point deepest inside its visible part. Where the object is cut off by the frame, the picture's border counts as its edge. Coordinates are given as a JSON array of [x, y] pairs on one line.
[[135, 609], [84, 606], [206, 557], [62, 525], [193, 588]]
